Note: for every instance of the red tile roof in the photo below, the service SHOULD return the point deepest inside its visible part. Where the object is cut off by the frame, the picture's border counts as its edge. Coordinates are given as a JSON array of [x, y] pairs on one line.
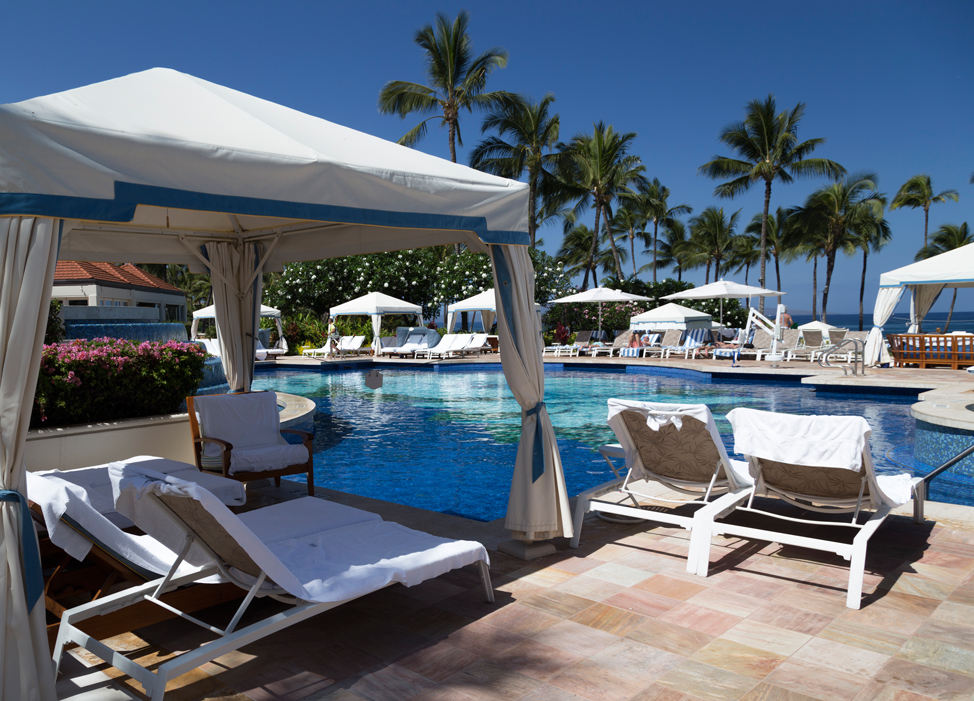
[[70, 271]]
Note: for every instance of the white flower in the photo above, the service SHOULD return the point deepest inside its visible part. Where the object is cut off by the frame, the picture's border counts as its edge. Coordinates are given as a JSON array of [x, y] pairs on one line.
[[385, 284]]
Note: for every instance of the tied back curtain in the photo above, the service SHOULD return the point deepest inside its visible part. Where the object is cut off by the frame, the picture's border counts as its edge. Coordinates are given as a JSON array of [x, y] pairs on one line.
[[923, 299], [875, 352], [538, 505], [28, 255], [236, 284]]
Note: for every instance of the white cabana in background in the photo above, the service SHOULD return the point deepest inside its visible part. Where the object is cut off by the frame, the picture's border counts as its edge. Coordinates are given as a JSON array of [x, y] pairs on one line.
[[210, 313], [671, 316], [925, 279], [484, 302], [375, 304], [162, 167]]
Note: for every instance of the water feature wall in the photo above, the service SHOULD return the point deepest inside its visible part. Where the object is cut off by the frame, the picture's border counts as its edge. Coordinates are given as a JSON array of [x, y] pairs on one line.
[[132, 330]]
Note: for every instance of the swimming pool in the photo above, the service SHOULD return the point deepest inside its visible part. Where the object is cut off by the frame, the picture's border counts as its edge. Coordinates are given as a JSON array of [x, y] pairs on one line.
[[445, 439]]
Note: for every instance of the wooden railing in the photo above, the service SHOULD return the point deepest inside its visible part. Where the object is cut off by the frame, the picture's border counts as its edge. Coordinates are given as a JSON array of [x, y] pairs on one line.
[[932, 350]]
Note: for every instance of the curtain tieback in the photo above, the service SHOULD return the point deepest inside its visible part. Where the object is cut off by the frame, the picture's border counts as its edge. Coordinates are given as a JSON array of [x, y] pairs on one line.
[[33, 580], [537, 452]]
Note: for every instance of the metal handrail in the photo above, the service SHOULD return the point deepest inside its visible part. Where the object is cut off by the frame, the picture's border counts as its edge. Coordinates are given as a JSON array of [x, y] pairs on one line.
[[858, 356], [920, 488]]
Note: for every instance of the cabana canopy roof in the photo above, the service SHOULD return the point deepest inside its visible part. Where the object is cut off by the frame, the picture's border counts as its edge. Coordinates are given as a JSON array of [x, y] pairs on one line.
[[484, 301], [210, 312], [158, 163], [375, 303], [952, 269], [671, 316]]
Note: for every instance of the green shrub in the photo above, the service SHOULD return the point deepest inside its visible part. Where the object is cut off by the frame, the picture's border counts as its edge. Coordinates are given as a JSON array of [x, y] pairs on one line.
[[54, 333], [105, 379]]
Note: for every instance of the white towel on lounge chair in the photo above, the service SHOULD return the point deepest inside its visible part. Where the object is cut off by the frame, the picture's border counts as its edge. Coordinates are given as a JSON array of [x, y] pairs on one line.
[[85, 496], [322, 565], [821, 441]]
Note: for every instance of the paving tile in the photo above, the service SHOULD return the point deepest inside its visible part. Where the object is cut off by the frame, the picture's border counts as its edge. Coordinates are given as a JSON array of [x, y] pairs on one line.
[[590, 587], [842, 657], [706, 682], [618, 574], [739, 658], [815, 681], [536, 660], [956, 613], [546, 577], [670, 587], [596, 682], [920, 679], [760, 587], [484, 639], [546, 692], [608, 552], [728, 602], [642, 602], [939, 558], [575, 565], [769, 692], [921, 586], [701, 619], [576, 638], [489, 681], [557, 603], [439, 661], [884, 618], [522, 620], [634, 659], [609, 619], [645, 561], [433, 622], [879, 692], [766, 637], [934, 653], [791, 618], [881, 641], [814, 600], [432, 590], [440, 693], [670, 637], [946, 575], [948, 632], [963, 595], [391, 683], [657, 692]]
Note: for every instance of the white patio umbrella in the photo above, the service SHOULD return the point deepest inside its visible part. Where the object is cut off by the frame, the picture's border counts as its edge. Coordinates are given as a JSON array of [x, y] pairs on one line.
[[671, 316], [375, 304], [600, 295], [724, 289]]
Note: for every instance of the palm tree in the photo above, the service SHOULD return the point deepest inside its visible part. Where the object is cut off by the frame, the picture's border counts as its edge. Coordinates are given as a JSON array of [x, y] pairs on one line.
[[872, 233], [576, 251], [714, 235], [653, 198], [456, 81], [531, 134], [599, 169], [768, 149], [676, 250], [628, 223], [917, 193], [774, 237], [947, 238], [833, 213], [745, 253]]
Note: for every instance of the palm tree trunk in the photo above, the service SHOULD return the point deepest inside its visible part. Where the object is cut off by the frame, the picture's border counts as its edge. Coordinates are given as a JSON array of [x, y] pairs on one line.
[[777, 275], [764, 240], [950, 313], [814, 288], [926, 222], [706, 279], [532, 207], [453, 157], [862, 284], [585, 279], [655, 243], [716, 268], [632, 247], [595, 243], [829, 267], [612, 245]]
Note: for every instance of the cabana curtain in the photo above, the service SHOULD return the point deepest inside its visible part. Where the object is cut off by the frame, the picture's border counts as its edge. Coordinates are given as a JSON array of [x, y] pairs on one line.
[[875, 352], [28, 254], [236, 283], [538, 505], [924, 297]]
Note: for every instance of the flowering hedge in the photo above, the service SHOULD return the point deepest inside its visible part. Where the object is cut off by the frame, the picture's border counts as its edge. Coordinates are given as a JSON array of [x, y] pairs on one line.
[[104, 379]]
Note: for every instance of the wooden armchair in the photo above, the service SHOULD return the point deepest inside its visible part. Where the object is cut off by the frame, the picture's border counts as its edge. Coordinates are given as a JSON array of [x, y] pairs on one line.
[[240, 435]]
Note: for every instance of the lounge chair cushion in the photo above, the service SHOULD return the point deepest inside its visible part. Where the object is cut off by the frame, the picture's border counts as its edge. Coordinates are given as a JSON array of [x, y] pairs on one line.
[[251, 424], [311, 564]]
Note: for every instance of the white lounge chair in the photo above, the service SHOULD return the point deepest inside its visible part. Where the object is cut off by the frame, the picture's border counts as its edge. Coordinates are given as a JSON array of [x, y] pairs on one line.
[[619, 344], [325, 351], [670, 339], [349, 345], [817, 464], [694, 340], [450, 343], [678, 446], [476, 343], [301, 552], [811, 341], [415, 341]]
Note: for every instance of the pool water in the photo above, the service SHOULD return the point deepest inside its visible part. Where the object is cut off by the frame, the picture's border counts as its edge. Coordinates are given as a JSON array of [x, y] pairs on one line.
[[446, 440]]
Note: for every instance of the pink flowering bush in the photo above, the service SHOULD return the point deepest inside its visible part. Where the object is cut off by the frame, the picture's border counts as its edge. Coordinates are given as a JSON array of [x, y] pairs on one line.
[[104, 379]]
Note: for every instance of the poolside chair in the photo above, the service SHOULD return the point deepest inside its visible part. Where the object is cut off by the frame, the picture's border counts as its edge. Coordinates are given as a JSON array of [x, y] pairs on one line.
[[349, 345], [694, 341], [789, 342], [415, 341], [812, 340], [739, 340], [678, 446], [671, 339], [301, 552], [240, 435], [326, 350], [817, 464], [88, 547], [269, 351], [476, 343], [619, 344], [447, 341]]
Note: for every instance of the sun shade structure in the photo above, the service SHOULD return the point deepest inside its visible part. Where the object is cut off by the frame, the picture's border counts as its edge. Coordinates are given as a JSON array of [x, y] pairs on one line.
[[163, 167], [671, 316], [484, 302], [925, 279], [724, 289], [600, 295], [375, 304], [210, 313]]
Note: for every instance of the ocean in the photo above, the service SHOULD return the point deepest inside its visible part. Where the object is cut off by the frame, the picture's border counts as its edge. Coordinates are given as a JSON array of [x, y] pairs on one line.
[[898, 323]]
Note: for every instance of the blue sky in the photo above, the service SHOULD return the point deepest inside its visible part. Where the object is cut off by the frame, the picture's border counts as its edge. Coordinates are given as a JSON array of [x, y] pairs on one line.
[[889, 85]]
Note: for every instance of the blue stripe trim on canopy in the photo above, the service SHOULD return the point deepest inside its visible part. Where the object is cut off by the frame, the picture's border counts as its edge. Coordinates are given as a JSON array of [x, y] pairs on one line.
[[129, 195], [33, 579]]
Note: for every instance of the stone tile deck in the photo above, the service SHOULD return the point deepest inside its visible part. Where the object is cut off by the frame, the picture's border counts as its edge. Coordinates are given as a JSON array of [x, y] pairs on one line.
[[619, 618]]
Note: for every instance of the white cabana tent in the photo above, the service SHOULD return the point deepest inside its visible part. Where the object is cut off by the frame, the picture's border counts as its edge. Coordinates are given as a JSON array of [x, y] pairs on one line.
[[816, 326], [375, 304], [671, 316], [162, 167], [210, 313], [484, 302], [925, 279]]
